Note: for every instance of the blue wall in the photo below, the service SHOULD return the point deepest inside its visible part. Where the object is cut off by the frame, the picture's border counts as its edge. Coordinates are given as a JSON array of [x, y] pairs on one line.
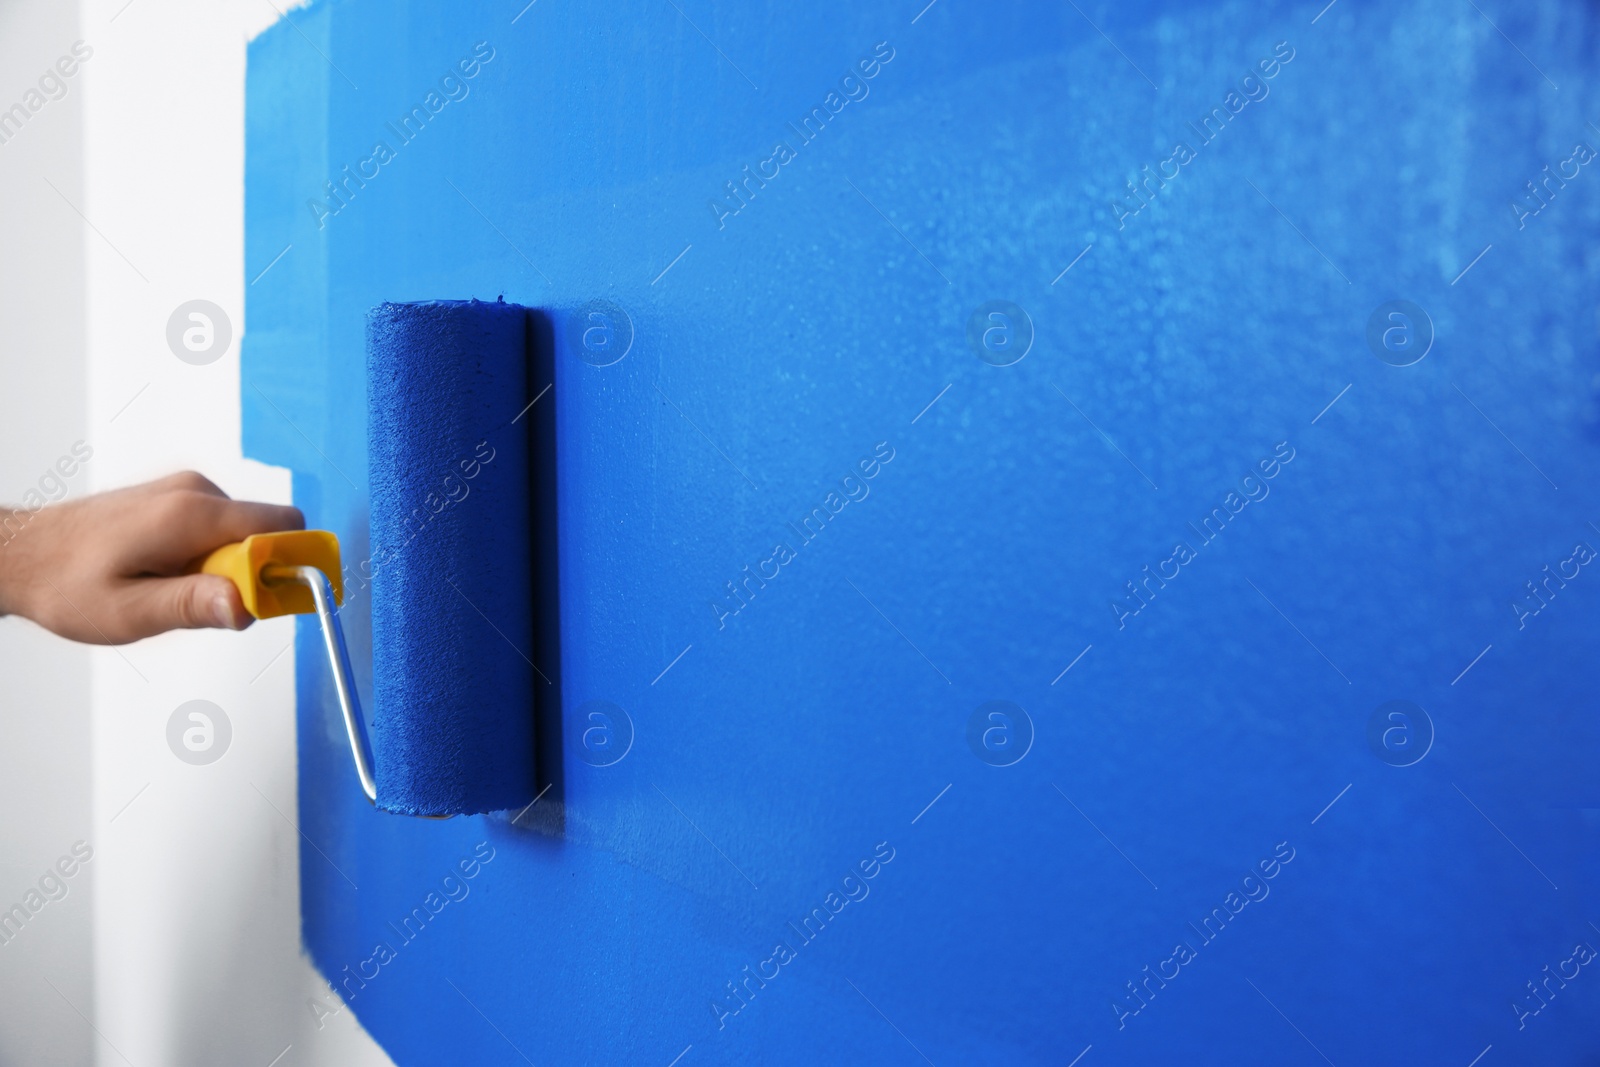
[[778, 346]]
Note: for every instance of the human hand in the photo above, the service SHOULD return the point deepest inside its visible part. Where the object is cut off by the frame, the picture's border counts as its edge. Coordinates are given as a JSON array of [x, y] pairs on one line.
[[110, 568]]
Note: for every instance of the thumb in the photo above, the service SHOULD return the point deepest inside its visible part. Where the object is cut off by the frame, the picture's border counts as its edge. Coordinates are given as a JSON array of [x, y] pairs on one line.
[[192, 601]]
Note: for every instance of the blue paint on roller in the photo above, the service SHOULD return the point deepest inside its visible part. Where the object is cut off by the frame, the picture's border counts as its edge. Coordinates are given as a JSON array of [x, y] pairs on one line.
[[452, 611]]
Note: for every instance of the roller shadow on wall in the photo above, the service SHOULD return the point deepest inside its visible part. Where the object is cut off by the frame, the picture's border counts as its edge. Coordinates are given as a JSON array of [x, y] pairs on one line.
[[548, 815]]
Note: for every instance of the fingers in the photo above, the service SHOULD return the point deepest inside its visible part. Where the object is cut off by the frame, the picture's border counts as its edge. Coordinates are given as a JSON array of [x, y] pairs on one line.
[[191, 480], [149, 606], [238, 519], [182, 525]]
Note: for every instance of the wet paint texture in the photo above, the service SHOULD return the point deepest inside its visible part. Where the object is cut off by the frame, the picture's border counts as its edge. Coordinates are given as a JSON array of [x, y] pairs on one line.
[[798, 693]]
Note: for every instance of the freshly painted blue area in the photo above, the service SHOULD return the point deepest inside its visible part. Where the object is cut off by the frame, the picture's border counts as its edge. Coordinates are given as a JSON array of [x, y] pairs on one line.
[[782, 351], [452, 579]]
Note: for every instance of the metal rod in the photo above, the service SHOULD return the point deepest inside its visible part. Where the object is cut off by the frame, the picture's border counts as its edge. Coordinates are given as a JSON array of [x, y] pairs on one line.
[[339, 658]]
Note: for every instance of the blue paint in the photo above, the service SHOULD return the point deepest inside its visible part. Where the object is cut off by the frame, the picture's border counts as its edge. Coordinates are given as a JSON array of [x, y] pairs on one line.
[[452, 581], [1201, 336]]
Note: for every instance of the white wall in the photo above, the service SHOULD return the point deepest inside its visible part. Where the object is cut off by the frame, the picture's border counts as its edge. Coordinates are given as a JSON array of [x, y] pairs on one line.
[[44, 684], [196, 946]]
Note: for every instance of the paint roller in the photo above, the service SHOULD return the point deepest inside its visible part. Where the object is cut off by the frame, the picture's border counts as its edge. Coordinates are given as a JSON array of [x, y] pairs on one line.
[[452, 572]]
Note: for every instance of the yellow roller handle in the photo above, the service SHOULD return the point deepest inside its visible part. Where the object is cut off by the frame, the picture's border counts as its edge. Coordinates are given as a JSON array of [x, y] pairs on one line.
[[242, 563], [282, 574]]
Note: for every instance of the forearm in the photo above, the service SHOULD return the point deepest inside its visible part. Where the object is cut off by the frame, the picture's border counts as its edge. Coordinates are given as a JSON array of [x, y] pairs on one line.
[[13, 521]]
